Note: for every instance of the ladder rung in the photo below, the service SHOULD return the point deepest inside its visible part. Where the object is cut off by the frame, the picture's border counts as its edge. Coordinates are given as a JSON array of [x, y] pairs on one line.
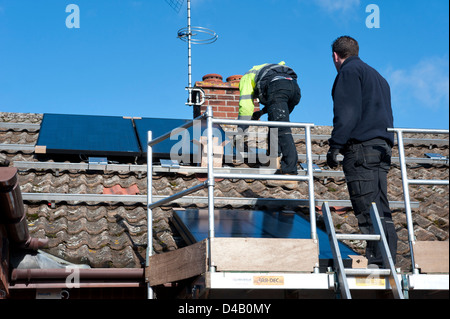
[[367, 271], [357, 237]]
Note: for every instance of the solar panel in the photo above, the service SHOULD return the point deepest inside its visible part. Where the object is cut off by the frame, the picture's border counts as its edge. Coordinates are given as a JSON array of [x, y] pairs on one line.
[[253, 224], [88, 135], [181, 142]]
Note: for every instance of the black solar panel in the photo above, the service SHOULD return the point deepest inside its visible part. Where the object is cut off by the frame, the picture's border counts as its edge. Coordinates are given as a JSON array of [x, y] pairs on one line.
[[88, 135], [253, 224]]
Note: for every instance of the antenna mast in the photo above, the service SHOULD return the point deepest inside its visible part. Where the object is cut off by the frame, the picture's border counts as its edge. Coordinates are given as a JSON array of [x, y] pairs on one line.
[[189, 34]]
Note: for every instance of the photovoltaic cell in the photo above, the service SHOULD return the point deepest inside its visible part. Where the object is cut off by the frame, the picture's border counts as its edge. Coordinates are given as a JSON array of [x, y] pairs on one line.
[[88, 135], [254, 224]]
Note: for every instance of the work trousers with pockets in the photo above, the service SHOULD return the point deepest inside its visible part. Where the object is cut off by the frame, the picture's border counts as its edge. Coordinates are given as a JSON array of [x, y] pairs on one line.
[[366, 166], [282, 97]]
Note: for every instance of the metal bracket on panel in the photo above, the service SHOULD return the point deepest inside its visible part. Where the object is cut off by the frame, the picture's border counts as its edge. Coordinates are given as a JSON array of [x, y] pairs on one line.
[[170, 163], [437, 156], [97, 163], [316, 169]]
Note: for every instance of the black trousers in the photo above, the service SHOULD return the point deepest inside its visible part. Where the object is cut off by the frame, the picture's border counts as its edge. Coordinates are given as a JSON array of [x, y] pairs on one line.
[[366, 166], [282, 97]]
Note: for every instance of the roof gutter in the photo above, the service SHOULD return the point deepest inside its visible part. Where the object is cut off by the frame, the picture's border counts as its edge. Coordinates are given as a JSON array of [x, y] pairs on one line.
[[77, 278]]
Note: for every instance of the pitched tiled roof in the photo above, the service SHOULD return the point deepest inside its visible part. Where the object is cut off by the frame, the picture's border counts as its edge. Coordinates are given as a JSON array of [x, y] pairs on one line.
[[113, 234]]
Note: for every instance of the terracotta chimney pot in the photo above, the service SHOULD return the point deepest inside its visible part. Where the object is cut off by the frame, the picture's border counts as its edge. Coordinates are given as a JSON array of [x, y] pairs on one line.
[[213, 77], [234, 78]]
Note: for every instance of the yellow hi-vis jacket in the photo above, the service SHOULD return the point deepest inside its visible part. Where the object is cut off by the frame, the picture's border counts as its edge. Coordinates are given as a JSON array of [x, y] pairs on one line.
[[247, 89]]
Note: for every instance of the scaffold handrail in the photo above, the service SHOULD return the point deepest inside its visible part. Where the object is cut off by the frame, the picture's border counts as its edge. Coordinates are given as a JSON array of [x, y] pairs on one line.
[[418, 130], [262, 123], [210, 182], [406, 181], [308, 175], [308, 178]]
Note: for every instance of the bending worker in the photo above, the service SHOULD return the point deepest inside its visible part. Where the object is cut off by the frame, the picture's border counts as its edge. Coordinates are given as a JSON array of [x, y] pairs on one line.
[[275, 85], [362, 114]]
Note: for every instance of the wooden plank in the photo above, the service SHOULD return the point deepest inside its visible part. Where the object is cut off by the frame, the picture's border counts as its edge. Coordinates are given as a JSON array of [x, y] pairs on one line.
[[431, 256], [177, 265], [264, 254]]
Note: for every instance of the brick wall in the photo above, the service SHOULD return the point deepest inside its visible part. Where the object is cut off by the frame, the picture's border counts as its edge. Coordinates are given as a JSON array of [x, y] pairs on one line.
[[222, 96]]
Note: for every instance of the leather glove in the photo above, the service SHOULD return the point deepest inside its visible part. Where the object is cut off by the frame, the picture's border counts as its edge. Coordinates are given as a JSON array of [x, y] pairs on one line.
[[257, 115], [332, 157]]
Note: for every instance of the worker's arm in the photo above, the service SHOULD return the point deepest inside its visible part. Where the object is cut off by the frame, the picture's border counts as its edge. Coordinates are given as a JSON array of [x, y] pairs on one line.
[[246, 89], [347, 107]]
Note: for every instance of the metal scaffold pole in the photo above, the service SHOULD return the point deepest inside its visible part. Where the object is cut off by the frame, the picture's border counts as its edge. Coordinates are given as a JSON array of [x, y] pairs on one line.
[[210, 155], [149, 210]]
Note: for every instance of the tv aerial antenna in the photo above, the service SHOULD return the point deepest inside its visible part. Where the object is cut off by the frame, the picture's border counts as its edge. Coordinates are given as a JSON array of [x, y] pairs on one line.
[[192, 35]]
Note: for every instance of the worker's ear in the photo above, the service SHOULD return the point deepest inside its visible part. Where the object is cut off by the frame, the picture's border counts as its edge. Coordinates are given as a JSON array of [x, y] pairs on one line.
[[337, 61], [335, 57]]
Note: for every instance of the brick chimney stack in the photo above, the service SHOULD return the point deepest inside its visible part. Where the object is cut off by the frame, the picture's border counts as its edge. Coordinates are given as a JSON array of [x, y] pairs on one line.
[[222, 96]]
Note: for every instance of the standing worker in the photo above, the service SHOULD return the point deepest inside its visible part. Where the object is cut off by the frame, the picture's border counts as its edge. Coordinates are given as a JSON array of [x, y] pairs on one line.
[[362, 114], [275, 85]]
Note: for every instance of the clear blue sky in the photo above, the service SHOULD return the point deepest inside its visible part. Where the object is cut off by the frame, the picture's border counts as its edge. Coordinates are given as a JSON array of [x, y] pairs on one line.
[[125, 58]]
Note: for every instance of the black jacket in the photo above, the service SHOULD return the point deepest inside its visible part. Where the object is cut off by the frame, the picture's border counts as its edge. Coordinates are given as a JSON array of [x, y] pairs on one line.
[[362, 105], [265, 76]]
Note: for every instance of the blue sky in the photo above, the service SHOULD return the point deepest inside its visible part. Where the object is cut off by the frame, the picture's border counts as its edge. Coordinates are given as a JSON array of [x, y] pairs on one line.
[[125, 58]]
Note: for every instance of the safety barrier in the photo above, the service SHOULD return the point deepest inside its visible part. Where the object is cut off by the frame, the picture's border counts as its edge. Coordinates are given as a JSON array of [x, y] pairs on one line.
[[406, 181], [210, 182]]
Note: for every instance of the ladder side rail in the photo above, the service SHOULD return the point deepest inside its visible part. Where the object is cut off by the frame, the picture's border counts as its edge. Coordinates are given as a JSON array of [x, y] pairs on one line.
[[406, 182], [334, 245], [386, 253]]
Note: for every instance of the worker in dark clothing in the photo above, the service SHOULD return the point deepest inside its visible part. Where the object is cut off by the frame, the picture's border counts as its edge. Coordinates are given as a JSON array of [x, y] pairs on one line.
[[275, 85], [362, 114]]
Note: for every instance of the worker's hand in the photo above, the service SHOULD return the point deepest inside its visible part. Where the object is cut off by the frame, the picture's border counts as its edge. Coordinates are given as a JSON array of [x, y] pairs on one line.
[[256, 115], [332, 157]]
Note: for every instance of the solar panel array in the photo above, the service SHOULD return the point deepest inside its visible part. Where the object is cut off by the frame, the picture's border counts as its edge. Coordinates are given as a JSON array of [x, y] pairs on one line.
[[91, 135]]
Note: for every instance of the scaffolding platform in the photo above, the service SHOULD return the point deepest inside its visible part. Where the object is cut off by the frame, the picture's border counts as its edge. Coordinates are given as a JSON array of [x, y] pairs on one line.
[[277, 262], [271, 258]]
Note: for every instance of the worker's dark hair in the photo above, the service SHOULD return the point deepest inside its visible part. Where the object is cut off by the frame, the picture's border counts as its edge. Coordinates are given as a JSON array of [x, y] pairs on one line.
[[345, 47]]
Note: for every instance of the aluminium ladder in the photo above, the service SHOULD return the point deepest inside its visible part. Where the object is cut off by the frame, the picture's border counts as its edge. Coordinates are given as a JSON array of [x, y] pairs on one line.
[[379, 236]]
